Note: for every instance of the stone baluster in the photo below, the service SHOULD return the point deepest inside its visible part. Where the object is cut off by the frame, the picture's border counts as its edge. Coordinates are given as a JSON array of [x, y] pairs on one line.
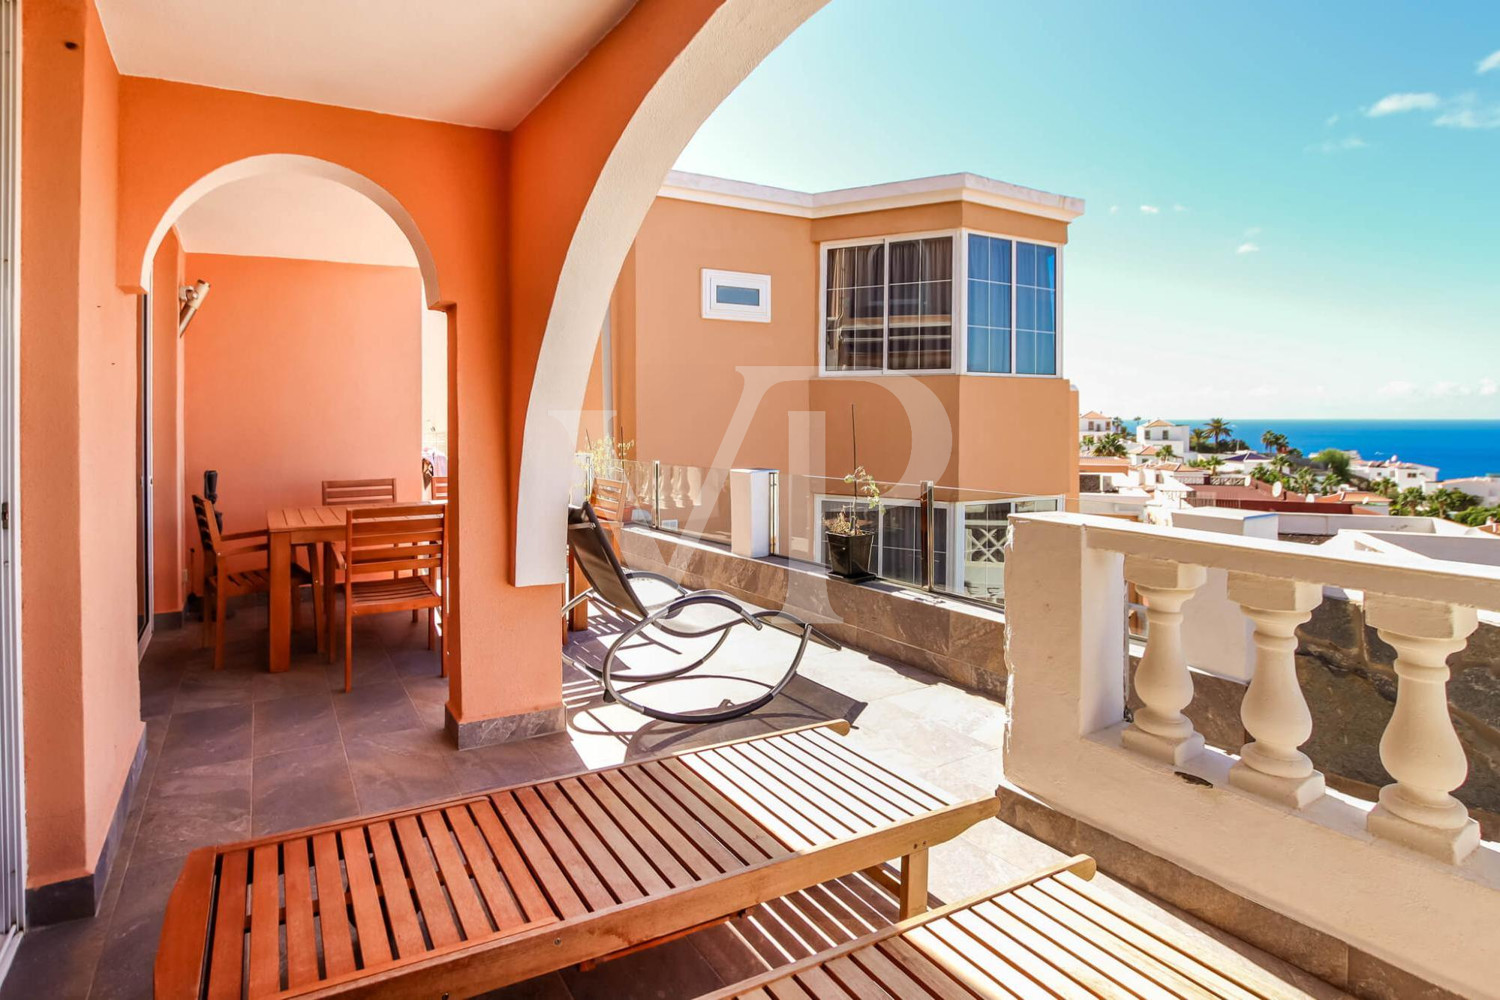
[[1419, 747], [1274, 710], [1162, 681]]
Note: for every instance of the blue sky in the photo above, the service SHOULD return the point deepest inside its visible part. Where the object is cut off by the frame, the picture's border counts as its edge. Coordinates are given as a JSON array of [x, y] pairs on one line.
[[1293, 209]]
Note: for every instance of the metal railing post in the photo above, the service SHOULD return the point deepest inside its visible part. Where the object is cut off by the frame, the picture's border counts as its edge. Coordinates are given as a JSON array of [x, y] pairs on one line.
[[656, 494], [929, 538], [775, 511]]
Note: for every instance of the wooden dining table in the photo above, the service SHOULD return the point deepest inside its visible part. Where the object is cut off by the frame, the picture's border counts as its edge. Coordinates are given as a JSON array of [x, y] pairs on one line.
[[319, 527], [290, 527]]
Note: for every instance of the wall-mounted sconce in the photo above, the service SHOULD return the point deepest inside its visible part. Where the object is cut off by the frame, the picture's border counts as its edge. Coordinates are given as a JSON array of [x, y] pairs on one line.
[[189, 298]]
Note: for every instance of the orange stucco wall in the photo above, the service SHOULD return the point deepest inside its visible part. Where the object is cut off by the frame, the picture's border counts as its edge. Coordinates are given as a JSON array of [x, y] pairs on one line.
[[105, 159], [452, 181], [78, 390], [685, 385], [298, 371], [168, 538]]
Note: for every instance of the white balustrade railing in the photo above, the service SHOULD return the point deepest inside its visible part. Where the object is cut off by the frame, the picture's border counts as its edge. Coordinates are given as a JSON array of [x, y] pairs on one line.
[[1425, 610], [1405, 880]]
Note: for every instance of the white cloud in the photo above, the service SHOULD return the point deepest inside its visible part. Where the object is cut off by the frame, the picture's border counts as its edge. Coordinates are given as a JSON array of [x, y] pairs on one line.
[[1450, 389], [1470, 117], [1489, 62], [1397, 388], [1179, 208], [1328, 146], [1392, 104], [1487, 387], [1252, 231], [1114, 210], [1331, 120], [1150, 210], [1248, 248]]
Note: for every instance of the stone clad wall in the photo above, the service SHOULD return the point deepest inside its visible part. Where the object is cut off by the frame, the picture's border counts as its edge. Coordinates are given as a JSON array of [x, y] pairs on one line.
[[954, 639]]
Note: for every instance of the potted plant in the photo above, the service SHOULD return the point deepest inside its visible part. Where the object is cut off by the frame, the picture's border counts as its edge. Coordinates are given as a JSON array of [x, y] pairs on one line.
[[848, 538]]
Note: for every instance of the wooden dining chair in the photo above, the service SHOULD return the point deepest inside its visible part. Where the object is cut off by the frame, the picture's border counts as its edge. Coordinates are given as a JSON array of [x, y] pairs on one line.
[[351, 492], [439, 488], [222, 580], [405, 538]]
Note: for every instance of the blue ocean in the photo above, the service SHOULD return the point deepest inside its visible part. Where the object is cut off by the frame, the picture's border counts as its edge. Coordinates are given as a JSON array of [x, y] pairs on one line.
[[1457, 447]]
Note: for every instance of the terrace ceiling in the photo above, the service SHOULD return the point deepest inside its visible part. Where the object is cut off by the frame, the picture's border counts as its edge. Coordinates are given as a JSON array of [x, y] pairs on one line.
[[469, 62]]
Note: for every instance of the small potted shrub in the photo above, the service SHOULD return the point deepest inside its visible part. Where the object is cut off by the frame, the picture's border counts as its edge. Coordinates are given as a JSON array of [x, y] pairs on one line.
[[848, 538]]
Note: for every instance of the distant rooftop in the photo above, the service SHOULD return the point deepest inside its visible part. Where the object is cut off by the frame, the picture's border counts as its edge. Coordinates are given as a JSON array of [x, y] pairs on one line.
[[847, 201]]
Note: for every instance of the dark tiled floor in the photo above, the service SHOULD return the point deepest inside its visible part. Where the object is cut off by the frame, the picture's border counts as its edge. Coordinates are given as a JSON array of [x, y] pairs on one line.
[[240, 752]]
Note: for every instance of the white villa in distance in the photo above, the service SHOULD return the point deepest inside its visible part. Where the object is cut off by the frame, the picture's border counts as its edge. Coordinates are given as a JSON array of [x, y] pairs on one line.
[[1151, 436], [1094, 424], [1406, 474]]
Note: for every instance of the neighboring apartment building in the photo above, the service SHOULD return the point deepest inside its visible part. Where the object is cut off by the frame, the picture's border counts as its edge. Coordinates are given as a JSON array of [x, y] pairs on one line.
[[748, 320]]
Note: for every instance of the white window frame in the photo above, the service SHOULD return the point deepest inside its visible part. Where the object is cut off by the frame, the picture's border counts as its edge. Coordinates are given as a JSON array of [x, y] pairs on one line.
[[1057, 306], [960, 348], [885, 369], [714, 309]]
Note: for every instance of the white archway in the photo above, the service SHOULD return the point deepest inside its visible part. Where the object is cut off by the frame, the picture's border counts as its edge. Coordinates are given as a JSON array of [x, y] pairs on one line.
[[731, 43], [309, 166]]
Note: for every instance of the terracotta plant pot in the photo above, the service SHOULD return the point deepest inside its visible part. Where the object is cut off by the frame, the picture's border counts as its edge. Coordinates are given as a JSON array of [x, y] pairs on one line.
[[848, 556]]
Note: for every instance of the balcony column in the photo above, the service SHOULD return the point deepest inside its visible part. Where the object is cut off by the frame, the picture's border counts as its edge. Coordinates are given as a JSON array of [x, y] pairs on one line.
[[1420, 748], [1274, 710], [1162, 681]]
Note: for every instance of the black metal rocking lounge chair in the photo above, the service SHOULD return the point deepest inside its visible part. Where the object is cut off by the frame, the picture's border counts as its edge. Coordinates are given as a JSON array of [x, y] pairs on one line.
[[682, 617]]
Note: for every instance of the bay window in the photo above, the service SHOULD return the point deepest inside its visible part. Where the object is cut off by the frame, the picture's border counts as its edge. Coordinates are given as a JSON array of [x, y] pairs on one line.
[[888, 305], [896, 304]]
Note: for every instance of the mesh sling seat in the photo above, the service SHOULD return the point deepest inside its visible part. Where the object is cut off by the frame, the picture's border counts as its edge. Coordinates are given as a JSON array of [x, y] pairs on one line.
[[475, 893], [688, 614]]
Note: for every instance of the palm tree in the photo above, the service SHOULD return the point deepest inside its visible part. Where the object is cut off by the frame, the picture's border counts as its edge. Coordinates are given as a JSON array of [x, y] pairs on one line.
[[1273, 442], [1197, 439], [1110, 445], [1385, 486], [1218, 429], [1304, 481], [1265, 474], [1086, 444], [1443, 501], [1165, 452], [1409, 502], [1336, 461], [1278, 464], [1330, 483]]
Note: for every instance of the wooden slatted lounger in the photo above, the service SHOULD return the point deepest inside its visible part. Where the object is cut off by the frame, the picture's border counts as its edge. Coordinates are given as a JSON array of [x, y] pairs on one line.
[[473, 894], [1049, 935]]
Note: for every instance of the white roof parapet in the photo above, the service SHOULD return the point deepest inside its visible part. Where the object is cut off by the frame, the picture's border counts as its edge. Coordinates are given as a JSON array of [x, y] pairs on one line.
[[972, 188]]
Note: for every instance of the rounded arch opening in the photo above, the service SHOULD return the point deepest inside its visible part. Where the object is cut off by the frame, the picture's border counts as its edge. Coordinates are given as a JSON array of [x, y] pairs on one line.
[[732, 42], [309, 166]]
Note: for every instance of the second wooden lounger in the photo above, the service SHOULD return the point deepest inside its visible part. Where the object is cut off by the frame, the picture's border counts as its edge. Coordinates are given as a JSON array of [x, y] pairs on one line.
[[472, 894], [1046, 936]]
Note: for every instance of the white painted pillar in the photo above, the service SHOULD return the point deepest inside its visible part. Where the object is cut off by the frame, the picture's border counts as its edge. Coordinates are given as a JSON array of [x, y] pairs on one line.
[[1274, 710], [750, 512], [1162, 681], [1419, 747]]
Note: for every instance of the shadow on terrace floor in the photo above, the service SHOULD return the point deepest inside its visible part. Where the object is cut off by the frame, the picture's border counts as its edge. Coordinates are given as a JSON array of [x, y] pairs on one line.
[[240, 752]]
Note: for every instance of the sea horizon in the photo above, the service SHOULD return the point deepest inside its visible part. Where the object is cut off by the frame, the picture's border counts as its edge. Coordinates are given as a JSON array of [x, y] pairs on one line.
[[1459, 448]]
